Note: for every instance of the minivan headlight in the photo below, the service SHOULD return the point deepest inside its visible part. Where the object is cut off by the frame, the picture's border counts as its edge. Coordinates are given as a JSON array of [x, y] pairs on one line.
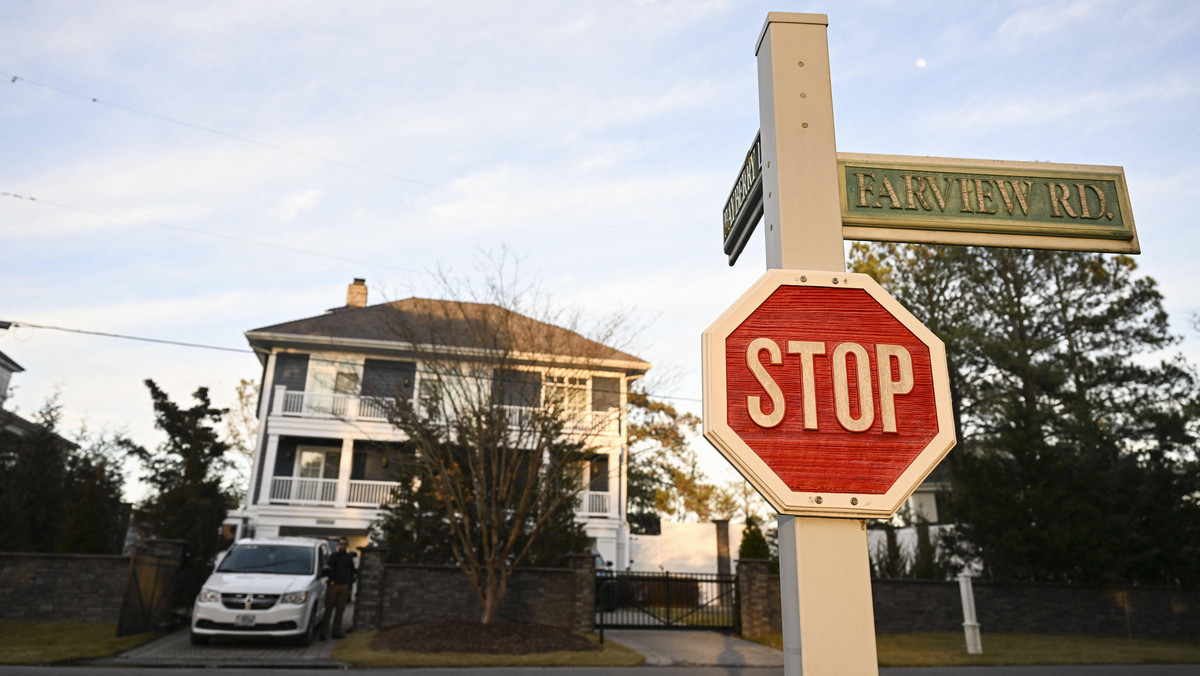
[[295, 597], [208, 596]]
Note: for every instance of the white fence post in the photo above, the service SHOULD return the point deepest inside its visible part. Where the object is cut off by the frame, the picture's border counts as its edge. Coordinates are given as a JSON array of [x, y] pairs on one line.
[[970, 624]]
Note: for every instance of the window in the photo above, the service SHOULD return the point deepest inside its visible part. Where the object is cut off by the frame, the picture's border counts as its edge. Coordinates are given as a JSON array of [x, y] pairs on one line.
[[606, 394], [317, 463], [328, 376], [511, 387], [430, 395], [570, 393], [276, 559], [598, 469]]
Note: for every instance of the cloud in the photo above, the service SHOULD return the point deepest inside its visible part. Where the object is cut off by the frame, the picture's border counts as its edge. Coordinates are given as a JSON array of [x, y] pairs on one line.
[[1042, 20], [298, 203]]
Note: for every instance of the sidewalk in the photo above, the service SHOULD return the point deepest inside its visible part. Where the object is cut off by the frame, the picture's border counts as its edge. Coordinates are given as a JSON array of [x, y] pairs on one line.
[[695, 648]]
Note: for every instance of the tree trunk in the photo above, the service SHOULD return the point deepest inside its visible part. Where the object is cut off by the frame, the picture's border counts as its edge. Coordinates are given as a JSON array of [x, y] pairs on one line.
[[491, 597]]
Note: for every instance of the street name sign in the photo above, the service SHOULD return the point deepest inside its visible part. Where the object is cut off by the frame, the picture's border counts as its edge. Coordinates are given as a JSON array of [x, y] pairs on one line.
[[1033, 205], [936, 200], [826, 394], [744, 207]]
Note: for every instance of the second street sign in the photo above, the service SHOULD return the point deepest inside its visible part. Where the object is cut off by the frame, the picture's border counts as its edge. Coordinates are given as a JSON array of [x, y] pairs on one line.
[[985, 203], [934, 200]]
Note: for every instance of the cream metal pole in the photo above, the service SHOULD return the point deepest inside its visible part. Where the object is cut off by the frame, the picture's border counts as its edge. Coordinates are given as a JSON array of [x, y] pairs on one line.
[[825, 581]]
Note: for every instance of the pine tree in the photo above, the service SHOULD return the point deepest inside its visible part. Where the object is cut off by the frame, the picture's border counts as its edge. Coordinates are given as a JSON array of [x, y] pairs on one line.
[[1076, 438]]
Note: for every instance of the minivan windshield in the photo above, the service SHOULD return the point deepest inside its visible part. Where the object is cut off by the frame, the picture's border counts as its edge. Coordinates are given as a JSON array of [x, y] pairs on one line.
[[277, 559]]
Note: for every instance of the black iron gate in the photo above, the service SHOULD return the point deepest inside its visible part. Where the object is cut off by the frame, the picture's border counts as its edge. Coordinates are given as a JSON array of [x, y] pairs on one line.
[[666, 601]]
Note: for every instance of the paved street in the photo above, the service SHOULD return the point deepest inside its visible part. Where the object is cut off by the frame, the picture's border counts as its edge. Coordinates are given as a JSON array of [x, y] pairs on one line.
[[1119, 670], [667, 653]]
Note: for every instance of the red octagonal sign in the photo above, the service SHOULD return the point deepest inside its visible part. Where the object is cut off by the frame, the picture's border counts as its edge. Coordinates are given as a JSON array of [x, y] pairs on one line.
[[826, 394]]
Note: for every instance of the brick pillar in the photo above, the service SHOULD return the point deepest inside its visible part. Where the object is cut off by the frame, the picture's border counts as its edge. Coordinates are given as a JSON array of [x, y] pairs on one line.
[[754, 591], [368, 606], [583, 606], [722, 546]]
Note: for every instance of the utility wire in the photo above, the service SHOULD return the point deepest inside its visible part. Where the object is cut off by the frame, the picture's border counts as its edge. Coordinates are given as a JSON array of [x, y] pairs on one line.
[[6, 324], [14, 79], [205, 233], [125, 337]]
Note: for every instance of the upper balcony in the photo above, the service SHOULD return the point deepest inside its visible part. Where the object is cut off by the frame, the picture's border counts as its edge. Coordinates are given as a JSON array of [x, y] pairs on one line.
[[358, 408]]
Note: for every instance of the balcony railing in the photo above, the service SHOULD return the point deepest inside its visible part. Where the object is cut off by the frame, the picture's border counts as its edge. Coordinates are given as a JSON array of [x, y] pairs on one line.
[[326, 405], [304, 491], [370, 493], [596, 504]]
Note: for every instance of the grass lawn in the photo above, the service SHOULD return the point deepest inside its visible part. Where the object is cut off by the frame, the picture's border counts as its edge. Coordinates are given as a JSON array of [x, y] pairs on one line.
[[30, 642], [940, 649], [356, 649]]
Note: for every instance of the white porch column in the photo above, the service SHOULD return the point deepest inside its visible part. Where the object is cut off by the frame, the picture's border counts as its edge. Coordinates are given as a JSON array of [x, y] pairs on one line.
[[264, 489], [260, 442], [344, 470]]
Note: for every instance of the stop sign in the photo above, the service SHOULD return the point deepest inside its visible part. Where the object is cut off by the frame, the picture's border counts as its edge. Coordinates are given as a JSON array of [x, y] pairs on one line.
[[826, 394]]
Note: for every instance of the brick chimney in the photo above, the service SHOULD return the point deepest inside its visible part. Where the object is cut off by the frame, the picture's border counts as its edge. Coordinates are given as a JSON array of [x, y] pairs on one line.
[[356, 295]]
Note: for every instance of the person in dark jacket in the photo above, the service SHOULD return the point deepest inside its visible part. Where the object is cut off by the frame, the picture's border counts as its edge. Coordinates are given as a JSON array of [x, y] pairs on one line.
[[341, 578]]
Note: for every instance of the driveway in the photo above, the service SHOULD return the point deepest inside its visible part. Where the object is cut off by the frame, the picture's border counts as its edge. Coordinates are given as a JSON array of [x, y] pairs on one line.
[[664, 648], [176, 650]]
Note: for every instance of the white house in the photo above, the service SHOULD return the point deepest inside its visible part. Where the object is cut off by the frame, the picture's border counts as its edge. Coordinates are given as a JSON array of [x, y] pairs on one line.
[[320, 467]]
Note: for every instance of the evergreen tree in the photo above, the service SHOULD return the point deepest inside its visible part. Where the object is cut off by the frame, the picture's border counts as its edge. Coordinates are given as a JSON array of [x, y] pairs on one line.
[[754, 543], [1076, 458], [34, 482], [59, 496], [189, 502], [95, 517]]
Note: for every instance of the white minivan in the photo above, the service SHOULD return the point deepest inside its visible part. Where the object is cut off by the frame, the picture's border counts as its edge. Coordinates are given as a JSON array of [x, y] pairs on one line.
[[264, 587]]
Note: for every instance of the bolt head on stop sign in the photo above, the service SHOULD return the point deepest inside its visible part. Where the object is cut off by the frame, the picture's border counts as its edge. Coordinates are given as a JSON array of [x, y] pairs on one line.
[[826, 394]]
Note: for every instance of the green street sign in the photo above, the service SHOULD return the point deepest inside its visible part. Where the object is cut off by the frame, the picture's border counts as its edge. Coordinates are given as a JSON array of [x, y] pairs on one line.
[[744, 207], [986, 203], [934, 200]]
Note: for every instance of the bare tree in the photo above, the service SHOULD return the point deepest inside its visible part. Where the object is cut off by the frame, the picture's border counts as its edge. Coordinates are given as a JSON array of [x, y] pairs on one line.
[[509, 400], [241, 434]]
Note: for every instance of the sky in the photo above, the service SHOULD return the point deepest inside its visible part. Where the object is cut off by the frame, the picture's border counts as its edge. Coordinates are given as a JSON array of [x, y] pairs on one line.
[[189, 171]]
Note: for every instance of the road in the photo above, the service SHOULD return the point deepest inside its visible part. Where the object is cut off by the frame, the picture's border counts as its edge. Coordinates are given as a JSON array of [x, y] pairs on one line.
[[1103, 670]]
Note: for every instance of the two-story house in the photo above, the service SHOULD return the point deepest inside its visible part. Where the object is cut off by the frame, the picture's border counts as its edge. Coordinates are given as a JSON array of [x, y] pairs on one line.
[[321, 465]]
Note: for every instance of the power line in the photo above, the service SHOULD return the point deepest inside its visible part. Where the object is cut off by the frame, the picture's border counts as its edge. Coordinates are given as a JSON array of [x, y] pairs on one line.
[[205, 233], [14, 79], [6, 324]]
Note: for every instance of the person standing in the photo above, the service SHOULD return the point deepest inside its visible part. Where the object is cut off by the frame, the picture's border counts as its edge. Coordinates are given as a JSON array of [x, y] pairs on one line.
[[342, 574]]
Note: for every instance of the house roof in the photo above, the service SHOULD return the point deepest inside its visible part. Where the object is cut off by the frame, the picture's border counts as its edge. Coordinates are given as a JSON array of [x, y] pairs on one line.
[[453, 324], [8, 364], [14, 424]]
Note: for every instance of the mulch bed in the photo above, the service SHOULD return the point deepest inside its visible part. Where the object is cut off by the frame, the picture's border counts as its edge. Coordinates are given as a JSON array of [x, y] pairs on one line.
[[498, 638]]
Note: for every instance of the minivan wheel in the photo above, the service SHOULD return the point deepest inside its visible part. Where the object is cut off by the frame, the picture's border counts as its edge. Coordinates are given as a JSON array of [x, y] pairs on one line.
[[198, 639], [310, 632]]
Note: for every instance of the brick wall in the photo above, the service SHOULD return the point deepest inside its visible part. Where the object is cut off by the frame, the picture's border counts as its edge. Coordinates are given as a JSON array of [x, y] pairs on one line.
[[393, 594], [933, 605], [83, 587]]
